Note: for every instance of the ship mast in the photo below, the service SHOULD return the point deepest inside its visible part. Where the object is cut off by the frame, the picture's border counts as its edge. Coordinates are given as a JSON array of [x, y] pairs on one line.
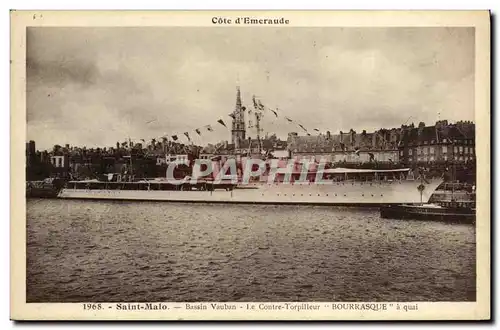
[[454, 175], [258, 116], [130, 153]]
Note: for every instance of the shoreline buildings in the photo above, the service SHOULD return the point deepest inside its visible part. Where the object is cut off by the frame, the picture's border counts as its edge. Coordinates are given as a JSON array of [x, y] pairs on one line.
[[438, 145]]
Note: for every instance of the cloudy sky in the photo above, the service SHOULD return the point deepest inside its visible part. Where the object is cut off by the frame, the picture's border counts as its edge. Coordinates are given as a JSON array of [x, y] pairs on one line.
[[97, 86]]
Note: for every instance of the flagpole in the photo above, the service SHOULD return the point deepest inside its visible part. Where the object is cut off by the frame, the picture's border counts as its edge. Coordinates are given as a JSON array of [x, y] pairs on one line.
[[130, 153]]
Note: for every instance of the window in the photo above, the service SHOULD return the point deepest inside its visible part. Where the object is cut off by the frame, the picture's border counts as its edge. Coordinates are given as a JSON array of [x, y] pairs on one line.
[[461, 149], [431, 158], [444, 149], [410, 152], [444, 140], [445, 157], [431, 149], [455, 149], [425, 142]]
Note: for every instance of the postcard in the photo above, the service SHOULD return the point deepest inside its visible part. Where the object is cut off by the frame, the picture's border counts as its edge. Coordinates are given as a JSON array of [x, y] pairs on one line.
[[250, 165]]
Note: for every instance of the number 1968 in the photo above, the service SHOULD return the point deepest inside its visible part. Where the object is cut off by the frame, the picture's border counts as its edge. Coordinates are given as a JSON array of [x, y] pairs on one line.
[[92, 307]]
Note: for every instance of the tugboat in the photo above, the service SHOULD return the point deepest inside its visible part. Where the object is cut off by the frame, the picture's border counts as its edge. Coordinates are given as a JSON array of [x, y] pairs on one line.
[[445, 209], [458, 212]]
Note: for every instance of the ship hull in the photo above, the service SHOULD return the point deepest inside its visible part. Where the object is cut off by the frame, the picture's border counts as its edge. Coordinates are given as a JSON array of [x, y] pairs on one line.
[[356, 193]]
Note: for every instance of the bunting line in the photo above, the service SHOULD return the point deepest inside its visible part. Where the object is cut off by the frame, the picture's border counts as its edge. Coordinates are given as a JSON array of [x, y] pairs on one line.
[[259, 110]]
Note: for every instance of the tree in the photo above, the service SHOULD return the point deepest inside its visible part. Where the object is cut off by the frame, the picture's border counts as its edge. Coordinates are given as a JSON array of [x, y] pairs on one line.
[[56, 149]]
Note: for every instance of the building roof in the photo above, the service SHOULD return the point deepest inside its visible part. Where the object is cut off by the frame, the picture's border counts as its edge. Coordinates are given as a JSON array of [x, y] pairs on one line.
[[229, 148], [350, 140], [457, 131]]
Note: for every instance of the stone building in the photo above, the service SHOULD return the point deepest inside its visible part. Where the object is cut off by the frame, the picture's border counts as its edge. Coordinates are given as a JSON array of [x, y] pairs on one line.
[[440, 143], [350, 147]]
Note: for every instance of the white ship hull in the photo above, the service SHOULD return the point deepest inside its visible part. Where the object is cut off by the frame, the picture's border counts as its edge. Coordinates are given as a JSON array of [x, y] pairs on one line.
[[347, 193]]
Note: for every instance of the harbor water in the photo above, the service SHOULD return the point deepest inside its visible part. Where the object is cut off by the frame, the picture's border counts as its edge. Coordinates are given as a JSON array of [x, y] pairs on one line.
[[95, 251]]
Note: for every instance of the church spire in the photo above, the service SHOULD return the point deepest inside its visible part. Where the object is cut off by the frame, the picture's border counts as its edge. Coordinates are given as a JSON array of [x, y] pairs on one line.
[[238, 99], [238, 127]]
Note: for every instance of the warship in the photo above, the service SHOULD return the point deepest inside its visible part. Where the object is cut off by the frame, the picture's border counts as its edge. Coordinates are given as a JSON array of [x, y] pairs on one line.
[[282, 181], [333, 186]]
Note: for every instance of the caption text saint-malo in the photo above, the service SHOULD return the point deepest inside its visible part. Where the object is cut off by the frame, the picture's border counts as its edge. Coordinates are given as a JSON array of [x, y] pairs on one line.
[[250, 21]]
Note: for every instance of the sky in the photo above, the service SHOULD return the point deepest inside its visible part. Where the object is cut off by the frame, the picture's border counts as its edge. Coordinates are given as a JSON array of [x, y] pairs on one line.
[[96, 86]]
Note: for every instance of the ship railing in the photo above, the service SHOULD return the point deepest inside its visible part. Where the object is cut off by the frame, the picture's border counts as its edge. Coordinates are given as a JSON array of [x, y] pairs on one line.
[[327, 181]]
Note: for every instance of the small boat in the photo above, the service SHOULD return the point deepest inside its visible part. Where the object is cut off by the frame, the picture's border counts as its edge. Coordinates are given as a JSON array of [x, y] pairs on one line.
[[449, 211], [47, 188]]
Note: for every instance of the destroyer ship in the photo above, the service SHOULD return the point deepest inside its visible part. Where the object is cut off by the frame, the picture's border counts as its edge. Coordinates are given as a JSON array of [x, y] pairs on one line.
[[295, 185], [333, 186]]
